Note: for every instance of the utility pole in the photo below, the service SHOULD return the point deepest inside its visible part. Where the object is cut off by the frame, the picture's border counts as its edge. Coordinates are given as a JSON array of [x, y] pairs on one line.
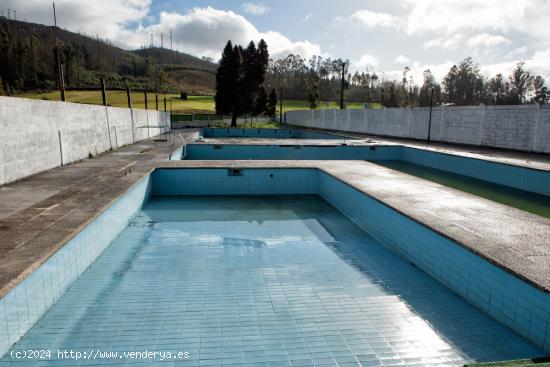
[[342, 86], [129, 97], [172, 54], [151, 40], [103, 92], [281, 105], [162, 40], [59, 66], [430, 120], [14, 14]]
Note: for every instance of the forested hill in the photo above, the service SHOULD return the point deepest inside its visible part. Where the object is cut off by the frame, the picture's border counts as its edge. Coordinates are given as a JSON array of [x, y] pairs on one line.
[[28, 62], [169, 58]]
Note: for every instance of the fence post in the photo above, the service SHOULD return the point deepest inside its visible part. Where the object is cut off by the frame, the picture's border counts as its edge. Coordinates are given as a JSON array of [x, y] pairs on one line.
[[103, 92], [164, 104], [145, 96], [104, 97], [129, 97], [60, 146]]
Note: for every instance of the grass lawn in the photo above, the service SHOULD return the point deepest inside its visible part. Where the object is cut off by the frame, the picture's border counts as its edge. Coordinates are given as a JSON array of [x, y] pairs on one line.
[[194, 104]]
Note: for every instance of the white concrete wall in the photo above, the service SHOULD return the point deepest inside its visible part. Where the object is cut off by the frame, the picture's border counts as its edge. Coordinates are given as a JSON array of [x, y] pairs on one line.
[[39, 135], [525, 128]]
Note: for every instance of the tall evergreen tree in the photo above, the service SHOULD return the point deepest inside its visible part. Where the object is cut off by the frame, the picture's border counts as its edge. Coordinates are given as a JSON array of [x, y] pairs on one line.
[[240, 74], [249, 83], [261, 102], [227, 82], [271, 106]]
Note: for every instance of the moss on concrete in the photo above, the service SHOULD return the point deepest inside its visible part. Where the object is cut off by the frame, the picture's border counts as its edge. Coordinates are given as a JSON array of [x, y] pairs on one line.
[[535, 362]]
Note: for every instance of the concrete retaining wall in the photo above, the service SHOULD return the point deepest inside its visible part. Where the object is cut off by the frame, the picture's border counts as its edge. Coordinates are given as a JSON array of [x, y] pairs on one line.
[[525, 128], [39, 135]]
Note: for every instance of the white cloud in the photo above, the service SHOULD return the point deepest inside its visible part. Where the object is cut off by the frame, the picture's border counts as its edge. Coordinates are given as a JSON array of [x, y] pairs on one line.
[[446, 42], [537, 64], [372, 19], [402, 59], [306, 18], [366, 62], [368, 19], [255, 8], [450, 16], [486, 40], [516, 52], [205, 31], [200, 31], [107, 18]]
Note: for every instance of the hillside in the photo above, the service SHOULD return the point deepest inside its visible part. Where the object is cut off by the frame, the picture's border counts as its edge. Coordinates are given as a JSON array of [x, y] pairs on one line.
[[28, 59]]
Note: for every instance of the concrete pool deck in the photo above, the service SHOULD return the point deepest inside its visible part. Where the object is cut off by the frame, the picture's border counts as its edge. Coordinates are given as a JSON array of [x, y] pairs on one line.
[[39, 214]]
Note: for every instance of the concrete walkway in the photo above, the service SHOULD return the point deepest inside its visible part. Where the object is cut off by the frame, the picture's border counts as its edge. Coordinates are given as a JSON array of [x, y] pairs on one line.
[[38, 215]]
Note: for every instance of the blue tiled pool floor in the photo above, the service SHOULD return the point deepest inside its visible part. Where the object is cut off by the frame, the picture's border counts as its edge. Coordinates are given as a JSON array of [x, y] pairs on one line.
[[264, 281]]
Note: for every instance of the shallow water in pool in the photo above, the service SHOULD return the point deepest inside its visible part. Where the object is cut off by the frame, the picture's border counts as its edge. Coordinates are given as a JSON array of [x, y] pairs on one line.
[[263, 281]]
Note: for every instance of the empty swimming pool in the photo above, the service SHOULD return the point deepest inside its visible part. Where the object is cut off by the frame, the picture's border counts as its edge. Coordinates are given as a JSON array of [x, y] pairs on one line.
[[271, 281], [523, 188]]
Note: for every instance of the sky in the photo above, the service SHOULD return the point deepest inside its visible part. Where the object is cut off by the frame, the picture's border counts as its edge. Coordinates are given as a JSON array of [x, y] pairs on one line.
[[381, 36]]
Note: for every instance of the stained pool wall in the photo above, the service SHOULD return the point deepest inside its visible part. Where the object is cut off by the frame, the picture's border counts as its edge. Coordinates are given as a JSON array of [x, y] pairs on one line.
[[521, 178], [505, 297], [39, 135], [21, 307], [500, 294], [525, 127]]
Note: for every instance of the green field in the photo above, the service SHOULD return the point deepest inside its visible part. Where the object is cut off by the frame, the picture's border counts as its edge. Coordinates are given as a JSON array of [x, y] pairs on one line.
[[194, 104]]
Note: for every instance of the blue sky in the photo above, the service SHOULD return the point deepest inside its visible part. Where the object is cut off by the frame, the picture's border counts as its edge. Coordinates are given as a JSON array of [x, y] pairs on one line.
[[383, 36]]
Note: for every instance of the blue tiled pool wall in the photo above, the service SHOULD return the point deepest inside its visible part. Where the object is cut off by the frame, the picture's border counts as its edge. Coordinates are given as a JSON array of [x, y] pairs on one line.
[[526, 179], [505, 297], [289, 152], [29, 300], [209, 132], [215, 181], [500, 294], [508, 175]]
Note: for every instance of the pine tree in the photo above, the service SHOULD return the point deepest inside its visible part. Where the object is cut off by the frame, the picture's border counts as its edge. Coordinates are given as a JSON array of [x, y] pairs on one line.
[[240, 74], [271, 106], [227, 82], [248, 85], [261, 102]]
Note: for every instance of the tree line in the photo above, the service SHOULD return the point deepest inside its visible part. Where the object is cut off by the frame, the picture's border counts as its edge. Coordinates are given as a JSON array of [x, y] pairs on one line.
[[320, 78], [240, 78], [28, 61]]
